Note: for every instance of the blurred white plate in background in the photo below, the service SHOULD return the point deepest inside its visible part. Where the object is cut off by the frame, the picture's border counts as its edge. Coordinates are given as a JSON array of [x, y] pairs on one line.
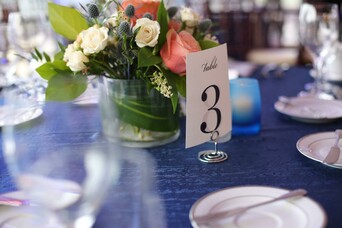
[[20, 116], [310, 109]]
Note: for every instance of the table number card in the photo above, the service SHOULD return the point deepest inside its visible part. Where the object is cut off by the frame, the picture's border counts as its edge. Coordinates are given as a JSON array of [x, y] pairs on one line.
[[207, 95]]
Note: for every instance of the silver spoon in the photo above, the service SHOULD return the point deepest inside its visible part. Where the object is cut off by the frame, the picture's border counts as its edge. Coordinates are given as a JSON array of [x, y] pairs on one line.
[[334, 152], [215, 217]]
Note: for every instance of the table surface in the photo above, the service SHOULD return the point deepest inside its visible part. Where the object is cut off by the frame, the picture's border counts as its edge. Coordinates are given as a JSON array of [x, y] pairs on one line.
[[269, 158]]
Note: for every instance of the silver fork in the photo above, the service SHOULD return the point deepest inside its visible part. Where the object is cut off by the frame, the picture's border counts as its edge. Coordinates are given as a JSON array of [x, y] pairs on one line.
[[334, 152], [215, 217]]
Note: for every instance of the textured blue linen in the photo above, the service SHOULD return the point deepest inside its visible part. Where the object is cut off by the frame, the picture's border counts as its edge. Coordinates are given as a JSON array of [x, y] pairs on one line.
[[269, 158]]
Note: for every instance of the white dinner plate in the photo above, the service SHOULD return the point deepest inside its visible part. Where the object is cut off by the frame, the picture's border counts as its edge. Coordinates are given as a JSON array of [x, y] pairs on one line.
[[297, 212], [310, 109], [20, 116], [316, 147]]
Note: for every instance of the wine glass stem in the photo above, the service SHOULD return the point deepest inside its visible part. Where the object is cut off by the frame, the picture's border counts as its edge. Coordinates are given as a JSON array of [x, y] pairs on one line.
[[318, 65]]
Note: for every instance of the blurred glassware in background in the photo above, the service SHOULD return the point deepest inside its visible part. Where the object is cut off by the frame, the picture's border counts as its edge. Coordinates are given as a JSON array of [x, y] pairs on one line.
[[69, 171], [3, 54], [66, 176], [332, 71], [333, 68], [32, 7], [246, 106], [135, 197], [25, 33], [318, 31]]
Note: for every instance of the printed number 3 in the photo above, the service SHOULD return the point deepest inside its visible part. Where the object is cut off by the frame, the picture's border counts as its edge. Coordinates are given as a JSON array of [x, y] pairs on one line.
[[212, 108]]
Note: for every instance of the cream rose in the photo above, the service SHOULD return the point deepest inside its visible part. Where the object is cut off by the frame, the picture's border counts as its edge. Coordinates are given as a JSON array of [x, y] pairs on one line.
[[190, 17], [76, 61], [112, 21], [94, 39], [148, 34], [68, 51]]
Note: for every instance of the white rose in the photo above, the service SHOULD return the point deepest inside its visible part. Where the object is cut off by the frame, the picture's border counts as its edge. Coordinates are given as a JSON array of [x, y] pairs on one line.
[[76, 61], [148, 33], [68, 51], [94, 39], [111, 21], [190, 17]]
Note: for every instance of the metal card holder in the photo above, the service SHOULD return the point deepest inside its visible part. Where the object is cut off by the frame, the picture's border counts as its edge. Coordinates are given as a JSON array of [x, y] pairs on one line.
[[213, 156]]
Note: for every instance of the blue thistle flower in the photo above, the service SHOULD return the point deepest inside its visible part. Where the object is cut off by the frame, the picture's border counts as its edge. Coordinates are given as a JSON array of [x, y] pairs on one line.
[[172, 11], [130, 11], [148, 15], [93, 11], [124, 28]]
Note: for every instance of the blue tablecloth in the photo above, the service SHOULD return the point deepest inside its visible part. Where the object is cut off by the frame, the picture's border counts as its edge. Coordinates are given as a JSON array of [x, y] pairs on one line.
[[269, 158]]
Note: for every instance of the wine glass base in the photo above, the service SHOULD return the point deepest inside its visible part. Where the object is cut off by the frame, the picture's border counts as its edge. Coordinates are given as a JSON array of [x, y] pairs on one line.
[[320, 95], [25, 217], [210, 156]]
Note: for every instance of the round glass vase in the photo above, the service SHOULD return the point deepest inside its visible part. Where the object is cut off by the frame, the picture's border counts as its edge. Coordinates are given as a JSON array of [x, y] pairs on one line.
[[136, 116]]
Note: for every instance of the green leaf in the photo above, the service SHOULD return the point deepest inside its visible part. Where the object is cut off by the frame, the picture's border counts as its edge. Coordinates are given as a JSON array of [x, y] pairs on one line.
[[163, 20], [38, 54], [176, 80], [178, 86], [35, 57], [66, 87], [146, 58], [66, 21], [50, 69], [206, 44], [47, 57], [59, 55], [174, 100], [143, 114]]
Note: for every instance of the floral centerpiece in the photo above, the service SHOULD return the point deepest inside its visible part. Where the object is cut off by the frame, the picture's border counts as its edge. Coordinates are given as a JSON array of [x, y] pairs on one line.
[[132, 40]]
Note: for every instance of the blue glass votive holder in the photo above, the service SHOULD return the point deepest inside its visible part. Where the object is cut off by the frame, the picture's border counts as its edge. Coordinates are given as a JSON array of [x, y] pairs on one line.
[[246, 106]]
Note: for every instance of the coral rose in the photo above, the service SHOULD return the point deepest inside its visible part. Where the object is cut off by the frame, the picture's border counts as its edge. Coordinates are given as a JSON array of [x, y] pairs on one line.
[[175, 49], [176, 25], [142, 7]]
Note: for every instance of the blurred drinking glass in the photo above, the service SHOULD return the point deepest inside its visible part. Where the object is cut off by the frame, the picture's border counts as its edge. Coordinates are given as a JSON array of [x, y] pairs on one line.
[[318, 30], [3, 54], [57, 159], [26, 33]]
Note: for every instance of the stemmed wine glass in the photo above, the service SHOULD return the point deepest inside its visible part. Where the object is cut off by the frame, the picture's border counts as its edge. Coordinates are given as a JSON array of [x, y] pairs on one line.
[[318, 31], [66, 172], [25, 33]]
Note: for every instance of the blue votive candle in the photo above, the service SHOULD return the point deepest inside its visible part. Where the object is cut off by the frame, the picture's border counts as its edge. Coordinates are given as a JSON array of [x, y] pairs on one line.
[[246, 106]]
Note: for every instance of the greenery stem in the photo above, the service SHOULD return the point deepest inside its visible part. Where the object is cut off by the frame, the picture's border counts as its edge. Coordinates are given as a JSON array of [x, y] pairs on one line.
[[106, 67]]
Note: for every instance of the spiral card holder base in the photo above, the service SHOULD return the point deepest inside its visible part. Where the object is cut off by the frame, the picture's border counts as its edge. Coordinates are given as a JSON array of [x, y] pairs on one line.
[[213, 156]]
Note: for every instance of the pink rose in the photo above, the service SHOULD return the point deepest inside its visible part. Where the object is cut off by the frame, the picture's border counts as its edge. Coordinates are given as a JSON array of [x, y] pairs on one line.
[[176, 25], [175, 49]]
